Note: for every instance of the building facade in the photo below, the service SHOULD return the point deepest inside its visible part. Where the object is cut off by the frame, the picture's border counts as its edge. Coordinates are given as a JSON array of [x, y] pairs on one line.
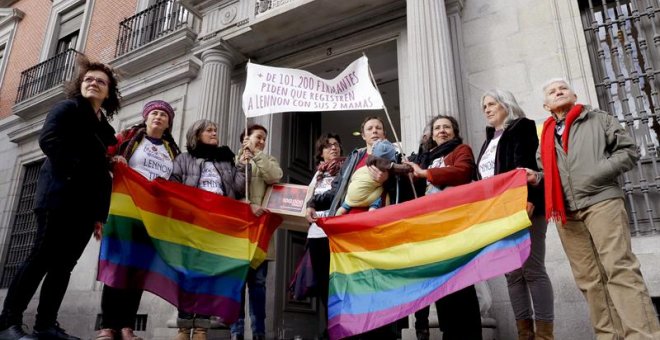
[[428, 57]]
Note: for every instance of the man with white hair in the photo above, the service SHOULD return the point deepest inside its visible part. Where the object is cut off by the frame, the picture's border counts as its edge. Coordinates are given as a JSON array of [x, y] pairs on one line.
[[582, 153]]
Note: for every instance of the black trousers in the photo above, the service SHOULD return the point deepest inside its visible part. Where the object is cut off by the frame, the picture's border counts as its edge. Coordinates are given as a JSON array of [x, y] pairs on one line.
[[61, 238], [458, 315], [319, 253], [119, 307]]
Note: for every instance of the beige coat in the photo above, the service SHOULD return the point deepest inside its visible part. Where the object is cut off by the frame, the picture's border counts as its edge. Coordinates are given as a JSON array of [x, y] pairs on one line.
[[599, 151], [266, 170]]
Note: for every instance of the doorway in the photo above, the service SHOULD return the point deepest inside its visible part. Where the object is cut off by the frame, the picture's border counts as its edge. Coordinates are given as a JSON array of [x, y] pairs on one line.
[[303, 128]]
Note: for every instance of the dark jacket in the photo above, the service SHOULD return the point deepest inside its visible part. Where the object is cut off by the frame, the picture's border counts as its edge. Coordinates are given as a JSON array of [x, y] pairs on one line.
[[188, 170], [397, 187], [76, 173], [517, 149]]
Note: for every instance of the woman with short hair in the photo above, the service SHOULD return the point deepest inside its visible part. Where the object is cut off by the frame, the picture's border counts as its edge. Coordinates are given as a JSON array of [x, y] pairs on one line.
[[209, 167]]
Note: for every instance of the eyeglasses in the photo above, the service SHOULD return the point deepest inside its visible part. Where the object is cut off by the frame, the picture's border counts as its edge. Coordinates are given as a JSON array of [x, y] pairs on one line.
[[330, 145], [99, 81]]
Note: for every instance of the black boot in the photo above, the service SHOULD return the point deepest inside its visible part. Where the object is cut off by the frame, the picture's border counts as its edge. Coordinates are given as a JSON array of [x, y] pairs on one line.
[[13, 332], [53, 332]]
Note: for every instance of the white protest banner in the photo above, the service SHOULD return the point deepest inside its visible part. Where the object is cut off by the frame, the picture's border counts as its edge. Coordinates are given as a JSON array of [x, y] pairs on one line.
[[274, 89]]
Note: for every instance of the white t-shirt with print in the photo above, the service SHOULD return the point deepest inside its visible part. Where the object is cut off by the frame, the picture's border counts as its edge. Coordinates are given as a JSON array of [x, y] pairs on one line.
[[326, 184], [210, 179], [487, 162], [151, 160]]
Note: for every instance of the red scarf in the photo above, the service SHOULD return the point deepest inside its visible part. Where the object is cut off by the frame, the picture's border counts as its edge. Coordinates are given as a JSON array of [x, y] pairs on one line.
[[332, 167], [554, 195]]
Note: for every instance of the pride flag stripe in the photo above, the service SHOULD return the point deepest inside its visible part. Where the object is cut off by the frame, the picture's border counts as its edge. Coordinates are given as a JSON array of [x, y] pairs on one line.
[[360, 296], [196, 260], [189, 280], [182, 233], [185, 204], [405, 254], [452, 197], [191, 247], [393, 261], [117, 275], [488, 266], [423, 227]]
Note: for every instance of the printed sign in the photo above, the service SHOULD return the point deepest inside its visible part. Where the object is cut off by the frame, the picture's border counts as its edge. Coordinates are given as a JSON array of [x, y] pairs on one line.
[[288, 199], [273, 89]]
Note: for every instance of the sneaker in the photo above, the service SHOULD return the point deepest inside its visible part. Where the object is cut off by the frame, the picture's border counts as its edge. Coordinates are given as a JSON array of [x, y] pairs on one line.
[[13, 332], [53, 332]]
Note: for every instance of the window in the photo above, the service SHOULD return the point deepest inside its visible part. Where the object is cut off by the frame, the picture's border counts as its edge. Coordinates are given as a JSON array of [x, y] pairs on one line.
[[2, 55], [69, 30], [625, 57], [24, 227], [59, 53], [9, 18]]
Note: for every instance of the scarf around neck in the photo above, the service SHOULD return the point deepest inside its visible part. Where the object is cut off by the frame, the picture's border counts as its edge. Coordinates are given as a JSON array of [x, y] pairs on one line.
[[554, 195], [212, 152], [441, 150], [332, 167]]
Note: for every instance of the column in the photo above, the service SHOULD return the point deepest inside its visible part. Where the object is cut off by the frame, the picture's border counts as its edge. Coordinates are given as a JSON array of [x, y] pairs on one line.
[[428, 87], [236, 120], [214, 98]]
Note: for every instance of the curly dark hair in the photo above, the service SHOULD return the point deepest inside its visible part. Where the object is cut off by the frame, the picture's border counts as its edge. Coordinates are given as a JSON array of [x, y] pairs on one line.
[[110, 104], [430, 143], [322, 141]]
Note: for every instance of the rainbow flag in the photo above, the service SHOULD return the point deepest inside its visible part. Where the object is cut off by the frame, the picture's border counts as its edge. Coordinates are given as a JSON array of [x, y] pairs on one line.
[[389, 263], [190, 247]]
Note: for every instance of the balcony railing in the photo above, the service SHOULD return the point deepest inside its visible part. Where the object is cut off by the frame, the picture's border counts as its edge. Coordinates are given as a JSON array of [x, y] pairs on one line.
[[158, 20], [46, 75]]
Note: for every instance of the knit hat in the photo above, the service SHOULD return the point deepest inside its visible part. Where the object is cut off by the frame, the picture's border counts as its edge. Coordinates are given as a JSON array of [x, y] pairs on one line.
[[385, 149], [159, 105]]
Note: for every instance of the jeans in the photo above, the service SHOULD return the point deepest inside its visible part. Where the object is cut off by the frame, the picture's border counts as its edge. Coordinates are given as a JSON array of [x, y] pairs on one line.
[[62, 236], [256, 285], [532, 280]]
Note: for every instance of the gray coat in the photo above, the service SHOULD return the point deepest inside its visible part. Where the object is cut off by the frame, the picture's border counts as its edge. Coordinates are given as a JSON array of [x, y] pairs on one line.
[[187, 170], [599, 151]]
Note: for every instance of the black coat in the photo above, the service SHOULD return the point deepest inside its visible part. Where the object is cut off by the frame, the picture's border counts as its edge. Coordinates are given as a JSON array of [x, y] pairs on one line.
[[76, 174], [517, 149]]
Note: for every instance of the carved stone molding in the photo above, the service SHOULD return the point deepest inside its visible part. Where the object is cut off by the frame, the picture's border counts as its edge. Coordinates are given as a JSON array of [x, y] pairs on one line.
[[171, 75], [156, 53]]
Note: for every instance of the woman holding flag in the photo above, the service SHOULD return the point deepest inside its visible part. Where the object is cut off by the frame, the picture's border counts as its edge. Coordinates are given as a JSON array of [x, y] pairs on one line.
[[446, 163], [149, 149], [209, 167], [511, 142], [265, 171]]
